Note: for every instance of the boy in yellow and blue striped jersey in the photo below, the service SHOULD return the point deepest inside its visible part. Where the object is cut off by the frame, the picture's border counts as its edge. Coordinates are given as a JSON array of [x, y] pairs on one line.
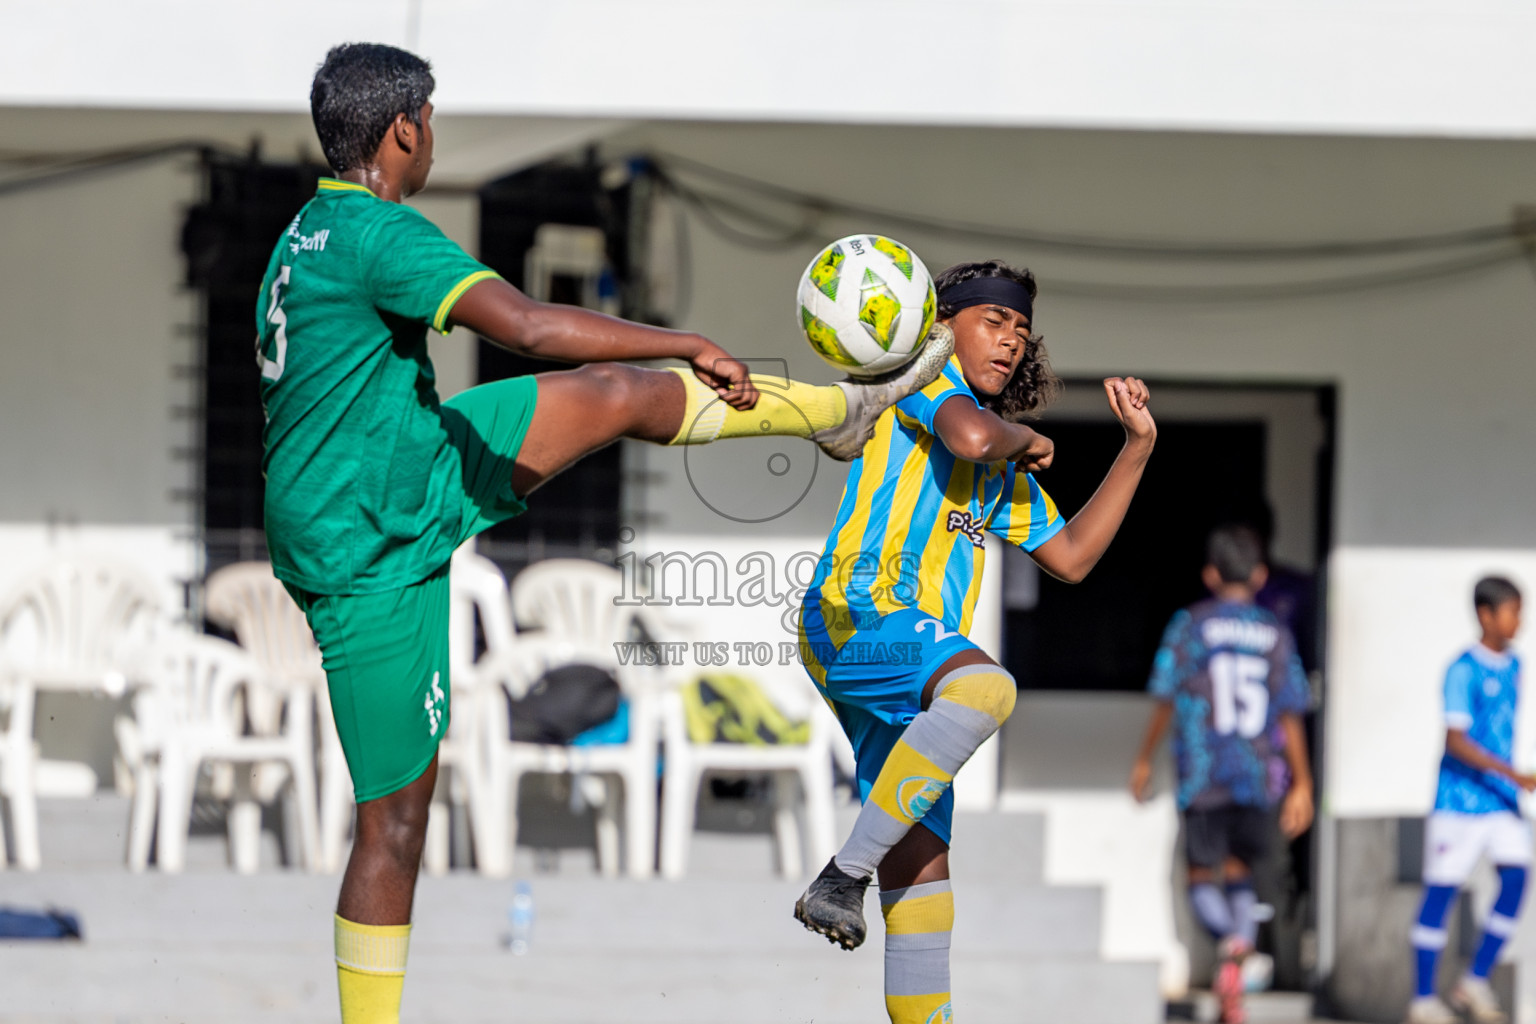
[[883, 624]]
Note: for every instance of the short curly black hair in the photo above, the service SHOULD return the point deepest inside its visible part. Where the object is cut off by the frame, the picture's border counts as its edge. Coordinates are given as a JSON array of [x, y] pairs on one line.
[[357, 94], [1033, 385]]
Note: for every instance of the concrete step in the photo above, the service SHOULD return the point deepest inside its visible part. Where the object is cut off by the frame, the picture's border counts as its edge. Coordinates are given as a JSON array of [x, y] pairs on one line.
[[465, 913], [217, 946], [92, 834], [733, 841], [1203, 1007], [999, 847]]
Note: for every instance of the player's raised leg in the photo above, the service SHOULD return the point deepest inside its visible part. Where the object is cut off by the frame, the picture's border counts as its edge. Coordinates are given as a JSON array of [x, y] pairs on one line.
[[965, 701], [582, 410]]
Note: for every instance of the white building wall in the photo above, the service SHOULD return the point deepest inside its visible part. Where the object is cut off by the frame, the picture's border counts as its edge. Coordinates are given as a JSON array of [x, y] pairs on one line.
[[1353, 66], [98, 420], [93, 323]]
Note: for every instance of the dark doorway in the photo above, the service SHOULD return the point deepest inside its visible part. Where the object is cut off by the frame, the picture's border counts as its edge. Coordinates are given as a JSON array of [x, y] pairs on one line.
[[1101, 634], [556, 206], [1223, 453]]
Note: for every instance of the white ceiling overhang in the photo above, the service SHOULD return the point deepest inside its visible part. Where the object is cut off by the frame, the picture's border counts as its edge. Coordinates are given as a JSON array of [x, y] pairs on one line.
[[1358, 67]]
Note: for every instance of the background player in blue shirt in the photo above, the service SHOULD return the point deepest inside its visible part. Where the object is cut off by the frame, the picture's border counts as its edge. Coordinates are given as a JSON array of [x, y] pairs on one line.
[[1227, 674], [1477, 809]]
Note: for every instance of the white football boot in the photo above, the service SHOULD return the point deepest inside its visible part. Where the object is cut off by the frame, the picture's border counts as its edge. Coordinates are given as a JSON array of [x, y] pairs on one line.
[[867, 399], [1475, 998], [1430, 1010]]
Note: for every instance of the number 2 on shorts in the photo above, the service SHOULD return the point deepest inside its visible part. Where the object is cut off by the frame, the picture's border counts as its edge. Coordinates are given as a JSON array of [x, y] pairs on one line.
[[940, 634]]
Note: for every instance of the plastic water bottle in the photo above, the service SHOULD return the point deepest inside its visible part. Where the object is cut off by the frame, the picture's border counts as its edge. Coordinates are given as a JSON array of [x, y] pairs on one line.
[[520, 919]]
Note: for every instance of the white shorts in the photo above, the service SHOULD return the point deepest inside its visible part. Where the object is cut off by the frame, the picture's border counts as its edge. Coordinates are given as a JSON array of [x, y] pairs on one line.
[[1454, 843]]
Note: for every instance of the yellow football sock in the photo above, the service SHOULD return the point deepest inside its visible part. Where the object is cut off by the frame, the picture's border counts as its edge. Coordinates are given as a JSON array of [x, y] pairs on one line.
[[918, 922], [908, 784], [787, 408], [370, 970]]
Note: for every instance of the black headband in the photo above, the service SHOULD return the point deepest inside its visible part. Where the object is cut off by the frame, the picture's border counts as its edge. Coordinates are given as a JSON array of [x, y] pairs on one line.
[[994, 291]]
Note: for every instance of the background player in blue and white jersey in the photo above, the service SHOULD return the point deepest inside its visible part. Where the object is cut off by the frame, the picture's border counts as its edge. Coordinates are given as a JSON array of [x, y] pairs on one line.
[[1477, 809], [1227, 677], [901, 572]]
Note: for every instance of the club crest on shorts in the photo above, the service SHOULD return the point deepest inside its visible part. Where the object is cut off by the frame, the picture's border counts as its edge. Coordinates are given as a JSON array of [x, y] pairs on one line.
[[916, 795], [433, 705], [964, 522]]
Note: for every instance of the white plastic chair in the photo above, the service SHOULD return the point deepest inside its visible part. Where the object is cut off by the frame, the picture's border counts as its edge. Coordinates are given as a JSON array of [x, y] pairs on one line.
[[189, 713], [69, 625], [574, 599], [18, 773], [476, 588], [801, 777], [632, 764], [248, 600], [571, 607]]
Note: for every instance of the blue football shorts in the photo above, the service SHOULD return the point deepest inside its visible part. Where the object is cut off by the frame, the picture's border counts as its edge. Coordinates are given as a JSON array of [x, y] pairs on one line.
[[874, 682]]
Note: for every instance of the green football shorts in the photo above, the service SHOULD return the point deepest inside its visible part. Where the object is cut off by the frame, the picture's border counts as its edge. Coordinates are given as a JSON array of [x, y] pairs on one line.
[[386, 654]]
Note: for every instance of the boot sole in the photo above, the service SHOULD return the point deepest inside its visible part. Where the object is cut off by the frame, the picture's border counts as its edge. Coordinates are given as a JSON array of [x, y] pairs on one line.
[[930, 363], [832, 933]]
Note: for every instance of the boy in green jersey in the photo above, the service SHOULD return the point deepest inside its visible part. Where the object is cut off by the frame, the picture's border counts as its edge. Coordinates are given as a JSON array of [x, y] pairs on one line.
[[372, 482]]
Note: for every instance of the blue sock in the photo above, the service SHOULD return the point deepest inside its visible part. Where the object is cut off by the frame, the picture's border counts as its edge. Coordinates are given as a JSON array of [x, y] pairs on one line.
[[1242, 899], [1211, 908], [1429, 936], [1501, 921]]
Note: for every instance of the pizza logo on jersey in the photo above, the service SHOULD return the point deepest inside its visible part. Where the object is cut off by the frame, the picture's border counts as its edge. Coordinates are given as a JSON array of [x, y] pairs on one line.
[[963, 522], [916, 795]]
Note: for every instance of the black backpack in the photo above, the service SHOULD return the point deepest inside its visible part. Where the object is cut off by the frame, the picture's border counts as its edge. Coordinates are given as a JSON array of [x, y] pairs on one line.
[[563, 704]]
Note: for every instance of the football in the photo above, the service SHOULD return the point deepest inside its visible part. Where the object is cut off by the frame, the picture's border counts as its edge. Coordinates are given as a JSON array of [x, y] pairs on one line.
[[866, 303]]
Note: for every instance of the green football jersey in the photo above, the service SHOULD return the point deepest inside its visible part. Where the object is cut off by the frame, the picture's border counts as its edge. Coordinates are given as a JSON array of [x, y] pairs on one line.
[[363, 487]]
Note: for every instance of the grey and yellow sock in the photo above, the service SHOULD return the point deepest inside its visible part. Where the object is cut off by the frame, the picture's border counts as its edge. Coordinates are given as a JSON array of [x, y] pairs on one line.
[[370, 970], [918, 923], [785, 408], [969, 705]]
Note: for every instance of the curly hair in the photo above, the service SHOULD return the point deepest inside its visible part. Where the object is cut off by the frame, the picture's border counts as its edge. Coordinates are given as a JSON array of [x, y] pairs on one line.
[[1033, 386]]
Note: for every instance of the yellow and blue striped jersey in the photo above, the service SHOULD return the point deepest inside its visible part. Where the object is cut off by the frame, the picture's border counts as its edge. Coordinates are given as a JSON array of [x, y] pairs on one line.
[[910, 526]]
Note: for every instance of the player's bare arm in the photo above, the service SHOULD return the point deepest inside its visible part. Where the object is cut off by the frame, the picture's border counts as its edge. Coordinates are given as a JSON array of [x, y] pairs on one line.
[[400, 167], [1082, 542], [1296, 809], [1469, 752], [499, 312], [1157, 726], [980, 435], [991, 341]]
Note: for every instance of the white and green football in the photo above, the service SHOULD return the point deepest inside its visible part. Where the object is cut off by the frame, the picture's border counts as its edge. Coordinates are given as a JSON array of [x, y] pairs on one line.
[[866, 303]]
